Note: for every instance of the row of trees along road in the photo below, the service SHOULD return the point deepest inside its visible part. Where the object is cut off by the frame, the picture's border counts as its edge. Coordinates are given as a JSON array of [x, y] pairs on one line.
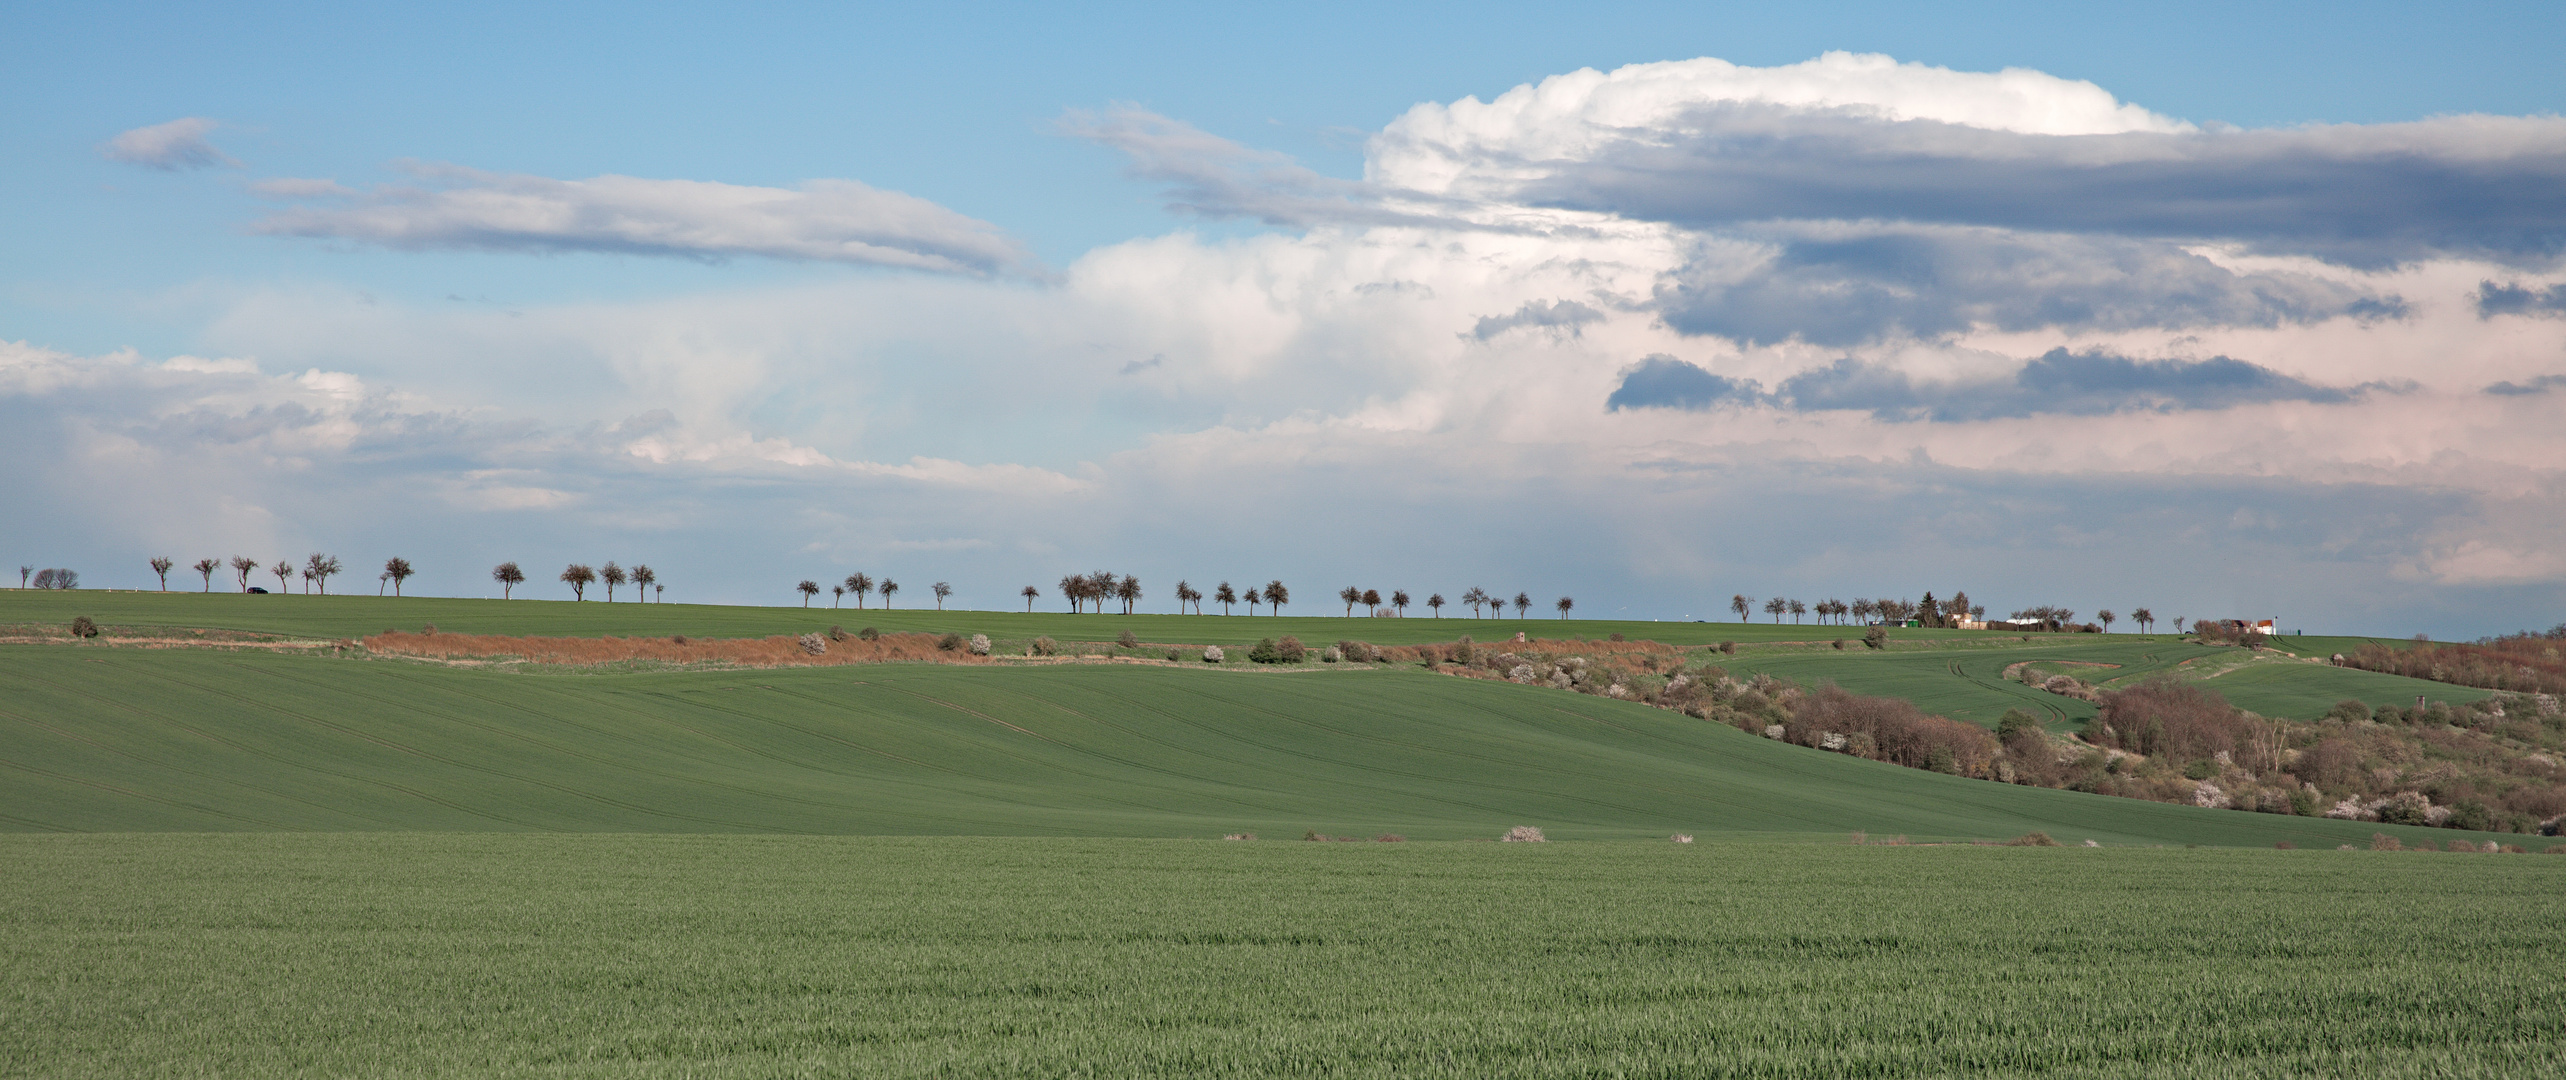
[[579, 576], [316, 571]]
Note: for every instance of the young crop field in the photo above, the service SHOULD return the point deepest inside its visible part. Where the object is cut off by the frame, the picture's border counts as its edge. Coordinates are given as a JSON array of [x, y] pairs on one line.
[[643, 956], [117, 739], [1955, 673]]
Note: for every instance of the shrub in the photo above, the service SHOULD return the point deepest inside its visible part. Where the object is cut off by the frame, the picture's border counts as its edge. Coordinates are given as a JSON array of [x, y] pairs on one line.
[[677, 639], [869, 634], [979, 644], [1461, 651], [83, 627], [1212, 654], [837, 633], [1892, 730], [1175, 654], [1728, 648], [1240, 836], [1389, 838], [1682, 838], [2014, 722], [2032, 839], [2348, 710], [2380, 841], [2165, 717], [1264, 652], [429, 630], [1290, 651], [1839, 644], [949, 643], [1332, 655], [1045, 646], [2203, 769], [2553, 849], [2284, 845], [1875, 638], [2471, 815], [814, 644], [1126, 640], [1524, 834]]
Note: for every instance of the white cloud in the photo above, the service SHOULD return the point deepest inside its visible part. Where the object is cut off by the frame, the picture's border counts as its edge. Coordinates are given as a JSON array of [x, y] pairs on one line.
[[821, 220], [1413, 389], [178, 144]]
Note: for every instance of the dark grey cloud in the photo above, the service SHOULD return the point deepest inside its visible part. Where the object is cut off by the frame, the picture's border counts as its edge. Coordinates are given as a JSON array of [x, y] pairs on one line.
[[2378, 194], [2540, 385], [1847, 284], [1566, 315], [1664, 382], [2057, 383], [2513, 298]]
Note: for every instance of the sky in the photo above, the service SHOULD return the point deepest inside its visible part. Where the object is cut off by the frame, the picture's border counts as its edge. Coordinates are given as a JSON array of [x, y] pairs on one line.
[[2217, 310]]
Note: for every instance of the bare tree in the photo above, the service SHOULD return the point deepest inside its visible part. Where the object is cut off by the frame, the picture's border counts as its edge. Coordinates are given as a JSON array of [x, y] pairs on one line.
[[1276, 595], [808, 588], [836, 593], [23, 571], [1128, 591], [859, 585], [1563, 605], [1186, 593], [578, 576], [614, 575], [659, 594], [398, 569], [1435, 603], [284, 571], [1523, 603], [508, 577], [319, 568], [242, 567], [205, 567], [2145, 619], [1399, 600], [1775, 607], [1372, 600], [1351, 596], [162, 565], [942, 589], [1073, 588], [1740, 604], [1101, 587], [888, 587], [2109, 617], [1253, 596], [1030, 594], [643, 578], [1475, 597], [2178, 624], [1225, 596]]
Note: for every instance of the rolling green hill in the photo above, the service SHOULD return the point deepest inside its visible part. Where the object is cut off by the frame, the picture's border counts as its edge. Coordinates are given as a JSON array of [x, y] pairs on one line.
[[1956, 673], [95, 738]]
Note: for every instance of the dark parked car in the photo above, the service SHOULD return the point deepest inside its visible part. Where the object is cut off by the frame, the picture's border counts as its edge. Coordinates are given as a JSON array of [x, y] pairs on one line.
[[256, 591]]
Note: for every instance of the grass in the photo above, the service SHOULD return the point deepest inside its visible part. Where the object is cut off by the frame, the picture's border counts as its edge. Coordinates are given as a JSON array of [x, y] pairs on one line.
[[650, 956], [109, 739], [1956, 673]]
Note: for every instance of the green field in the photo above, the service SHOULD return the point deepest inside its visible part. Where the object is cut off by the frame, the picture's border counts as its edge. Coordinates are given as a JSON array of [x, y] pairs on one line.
[[1967, 683], [353, 616], [117, 739], [565, 956], [1955, 673]]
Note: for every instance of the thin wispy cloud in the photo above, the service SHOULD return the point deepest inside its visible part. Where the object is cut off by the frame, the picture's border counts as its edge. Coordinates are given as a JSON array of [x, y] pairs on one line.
[[455, 208], [170, 147]]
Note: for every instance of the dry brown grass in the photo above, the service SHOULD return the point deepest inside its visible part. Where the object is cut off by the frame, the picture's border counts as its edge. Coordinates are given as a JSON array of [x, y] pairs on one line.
[[781, 650]]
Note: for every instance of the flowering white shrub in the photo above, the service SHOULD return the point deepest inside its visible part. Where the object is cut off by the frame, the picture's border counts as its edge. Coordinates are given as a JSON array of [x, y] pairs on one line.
[[814, 644], [1525, 834], [979, 644], [1212, 654]]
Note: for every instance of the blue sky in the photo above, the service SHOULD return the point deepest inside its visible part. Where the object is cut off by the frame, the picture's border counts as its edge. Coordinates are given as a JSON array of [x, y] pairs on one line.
[[1113, 236]]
